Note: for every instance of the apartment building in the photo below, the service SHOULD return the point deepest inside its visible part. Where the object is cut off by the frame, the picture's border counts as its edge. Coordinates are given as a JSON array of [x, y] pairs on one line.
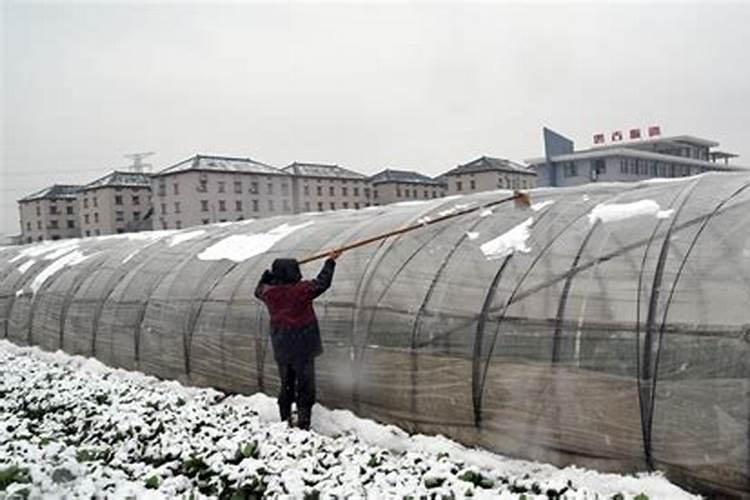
[[206, 189], [391, 186], [119, 202], [49, 214], [319, 187], [633, 160], [487, 174]]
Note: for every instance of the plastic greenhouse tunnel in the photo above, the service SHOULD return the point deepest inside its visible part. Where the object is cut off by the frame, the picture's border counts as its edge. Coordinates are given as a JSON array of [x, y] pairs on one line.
[[607, 325]]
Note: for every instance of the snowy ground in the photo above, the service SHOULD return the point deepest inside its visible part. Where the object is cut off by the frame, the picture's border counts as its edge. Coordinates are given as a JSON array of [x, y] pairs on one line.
[[71, 427]]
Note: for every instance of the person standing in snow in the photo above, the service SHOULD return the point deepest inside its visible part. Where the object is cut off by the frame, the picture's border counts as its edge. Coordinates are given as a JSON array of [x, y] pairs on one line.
[[295, 335]]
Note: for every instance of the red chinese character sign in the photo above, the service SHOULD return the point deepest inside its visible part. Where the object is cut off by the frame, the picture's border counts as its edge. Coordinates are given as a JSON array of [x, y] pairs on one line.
[[598, 138], [635, 133], [616, 136], [654, 130]]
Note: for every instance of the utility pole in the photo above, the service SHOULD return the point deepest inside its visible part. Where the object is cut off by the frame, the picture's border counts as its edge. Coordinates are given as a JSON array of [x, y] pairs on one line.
[[138, 165]]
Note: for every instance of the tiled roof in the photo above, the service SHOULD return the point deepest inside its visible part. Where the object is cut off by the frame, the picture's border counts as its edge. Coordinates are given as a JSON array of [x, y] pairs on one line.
[[487, 164], [54, 192], [322, 170], [120, 179], [221, 164], [409, 176]]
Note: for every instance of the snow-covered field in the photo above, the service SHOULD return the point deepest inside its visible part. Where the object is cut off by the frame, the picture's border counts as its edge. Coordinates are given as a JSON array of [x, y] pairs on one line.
[[71, 427]]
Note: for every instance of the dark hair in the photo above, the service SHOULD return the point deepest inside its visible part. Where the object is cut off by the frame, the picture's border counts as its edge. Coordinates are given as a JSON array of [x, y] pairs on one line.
[[286, 271]]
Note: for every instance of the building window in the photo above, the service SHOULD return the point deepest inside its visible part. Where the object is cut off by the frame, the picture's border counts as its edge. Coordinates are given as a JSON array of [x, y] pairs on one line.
[[53, 224], [320, 206], [284, 189], [270, 188], [202, 186], [332, 191], [270, 204], [176, 189], [178, 224], [164, 208], [88, 233], [86, 218], [96, 216], [85, 203], [570, 169], [238, 187], [426, 194], [434, 194], [345, 204], [28, 226], [95, 202], [205, 221], [204, 205], [307, 190], [97, 232], [69, 210], [320, 190], [222, 206], [333, 205], [254, 187], [136, 216], [53, 209], [459, 186], [162, 189], [136, 200], [367, 192], [119, 216], [406, 193], [255, 205], [375, 194], [472, 184], [118, 199], [356, 205], [38, 211], [344, 191], [222, 186], [356, 191], [238, 205], [307, 206], [39, 225], [71, 224], [286, 206], [177, 207], [398, 192]]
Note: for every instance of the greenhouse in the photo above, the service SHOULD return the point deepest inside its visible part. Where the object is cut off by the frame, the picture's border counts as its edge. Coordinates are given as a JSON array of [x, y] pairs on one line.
[[606, 325]]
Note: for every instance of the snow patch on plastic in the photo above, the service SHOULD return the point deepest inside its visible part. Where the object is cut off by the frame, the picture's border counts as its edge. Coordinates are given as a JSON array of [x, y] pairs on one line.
[[542, 204], [514, 240], [182, 237], [26, 265], [69, 259], [240, 247], [615, 212]]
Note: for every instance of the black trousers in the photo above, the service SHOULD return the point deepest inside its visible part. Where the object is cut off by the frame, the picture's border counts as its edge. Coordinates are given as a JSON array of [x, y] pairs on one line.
[[297, 385]]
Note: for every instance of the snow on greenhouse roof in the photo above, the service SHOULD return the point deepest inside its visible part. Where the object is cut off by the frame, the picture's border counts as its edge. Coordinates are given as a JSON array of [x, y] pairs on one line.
[[54, 192], [221, 164], [323, 171], [120, 179]]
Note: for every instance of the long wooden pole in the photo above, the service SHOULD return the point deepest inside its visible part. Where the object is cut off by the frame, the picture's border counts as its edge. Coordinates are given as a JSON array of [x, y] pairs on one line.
[[520, 198]]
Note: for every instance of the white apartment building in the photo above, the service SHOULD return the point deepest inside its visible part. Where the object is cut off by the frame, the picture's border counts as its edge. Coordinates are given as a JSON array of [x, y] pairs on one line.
[[206, 189], [49, 214], [487, 174], [676, 156], [319, 187], [119, 202], [391, 186]]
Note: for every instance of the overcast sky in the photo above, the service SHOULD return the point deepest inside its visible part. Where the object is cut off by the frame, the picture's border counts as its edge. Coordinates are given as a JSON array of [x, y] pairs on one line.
[[368, 86]]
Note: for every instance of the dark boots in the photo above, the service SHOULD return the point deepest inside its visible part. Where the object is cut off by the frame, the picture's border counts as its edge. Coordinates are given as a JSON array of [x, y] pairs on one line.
[[298, 385]]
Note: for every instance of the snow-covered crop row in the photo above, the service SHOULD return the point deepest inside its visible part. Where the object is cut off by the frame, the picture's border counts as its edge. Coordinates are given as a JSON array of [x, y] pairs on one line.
[[71, 427]]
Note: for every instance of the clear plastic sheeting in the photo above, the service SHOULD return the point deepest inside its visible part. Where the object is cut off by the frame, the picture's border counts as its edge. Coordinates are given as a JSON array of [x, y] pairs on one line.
[[609, 327]]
